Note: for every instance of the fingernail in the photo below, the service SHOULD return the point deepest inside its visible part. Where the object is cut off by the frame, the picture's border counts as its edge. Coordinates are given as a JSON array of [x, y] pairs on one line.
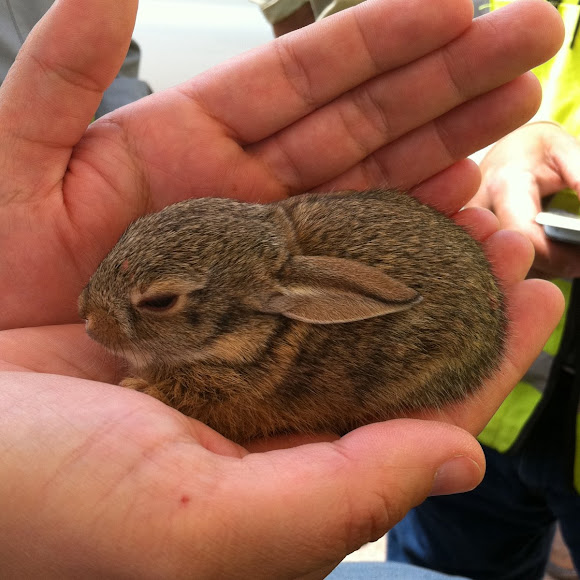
[[456, 475]]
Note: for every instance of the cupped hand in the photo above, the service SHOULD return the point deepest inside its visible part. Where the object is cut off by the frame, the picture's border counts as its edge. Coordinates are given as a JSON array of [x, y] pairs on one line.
[[99, 481], [518, 173], [533, 307], [103, 482], [293, 115]]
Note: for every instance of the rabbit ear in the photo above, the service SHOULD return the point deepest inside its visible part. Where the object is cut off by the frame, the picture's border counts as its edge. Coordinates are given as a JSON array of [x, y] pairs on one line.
[[324, 290]]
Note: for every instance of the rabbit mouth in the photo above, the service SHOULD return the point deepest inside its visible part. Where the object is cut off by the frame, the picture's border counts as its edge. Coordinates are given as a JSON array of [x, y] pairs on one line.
[[143, 357]]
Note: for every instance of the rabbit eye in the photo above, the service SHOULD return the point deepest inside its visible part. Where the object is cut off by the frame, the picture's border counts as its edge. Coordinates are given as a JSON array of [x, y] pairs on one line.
[[159, 303]]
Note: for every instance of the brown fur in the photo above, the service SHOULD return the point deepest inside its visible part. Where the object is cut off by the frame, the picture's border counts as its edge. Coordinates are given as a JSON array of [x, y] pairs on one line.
[[232, 349]]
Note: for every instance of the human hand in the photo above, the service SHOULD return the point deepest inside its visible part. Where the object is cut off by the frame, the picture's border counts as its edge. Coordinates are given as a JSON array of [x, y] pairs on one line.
[[522, 169], [291, 116], [102, 481]]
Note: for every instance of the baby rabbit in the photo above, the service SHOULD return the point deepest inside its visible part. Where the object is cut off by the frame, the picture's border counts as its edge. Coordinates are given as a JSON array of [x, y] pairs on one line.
[[322, 312]]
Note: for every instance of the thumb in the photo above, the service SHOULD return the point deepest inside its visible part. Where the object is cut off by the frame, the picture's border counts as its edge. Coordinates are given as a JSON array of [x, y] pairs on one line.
[[56, 84], [319, 502]]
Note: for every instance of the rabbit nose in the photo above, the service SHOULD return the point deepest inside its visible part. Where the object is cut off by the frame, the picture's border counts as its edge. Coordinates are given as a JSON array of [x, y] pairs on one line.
[[91, 326], [89, 323], [101, 327]]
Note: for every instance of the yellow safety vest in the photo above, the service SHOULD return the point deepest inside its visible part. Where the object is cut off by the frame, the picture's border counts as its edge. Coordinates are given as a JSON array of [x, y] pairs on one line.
[[560, 79]]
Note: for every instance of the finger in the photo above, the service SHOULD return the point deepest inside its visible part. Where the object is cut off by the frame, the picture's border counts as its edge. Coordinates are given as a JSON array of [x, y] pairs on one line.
[[447, 139], [390, 105], [62, 350], [340, 495], [511, 255], [480, 223], [534, 309], [515, 196], [307, 69], [56, 85], [448, 190]]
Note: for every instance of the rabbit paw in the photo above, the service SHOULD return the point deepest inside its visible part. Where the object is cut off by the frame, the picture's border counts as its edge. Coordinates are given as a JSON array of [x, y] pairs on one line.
[[135, 384], [151, 389]]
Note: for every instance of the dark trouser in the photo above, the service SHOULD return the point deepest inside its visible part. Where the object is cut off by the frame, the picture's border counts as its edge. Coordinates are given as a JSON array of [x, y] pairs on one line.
[[503, 529]]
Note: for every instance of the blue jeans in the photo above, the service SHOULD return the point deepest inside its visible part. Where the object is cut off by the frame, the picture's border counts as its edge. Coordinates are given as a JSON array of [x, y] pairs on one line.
[[503, 530], [385, 571]]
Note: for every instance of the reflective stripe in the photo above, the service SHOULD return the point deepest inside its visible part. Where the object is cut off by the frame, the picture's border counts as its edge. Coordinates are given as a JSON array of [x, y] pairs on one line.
[[559, 76], [567, 200]]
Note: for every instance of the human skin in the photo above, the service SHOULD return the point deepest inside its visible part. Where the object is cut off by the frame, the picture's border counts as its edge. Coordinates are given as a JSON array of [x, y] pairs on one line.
[[519, 172], [315, 120], [100, 481]]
